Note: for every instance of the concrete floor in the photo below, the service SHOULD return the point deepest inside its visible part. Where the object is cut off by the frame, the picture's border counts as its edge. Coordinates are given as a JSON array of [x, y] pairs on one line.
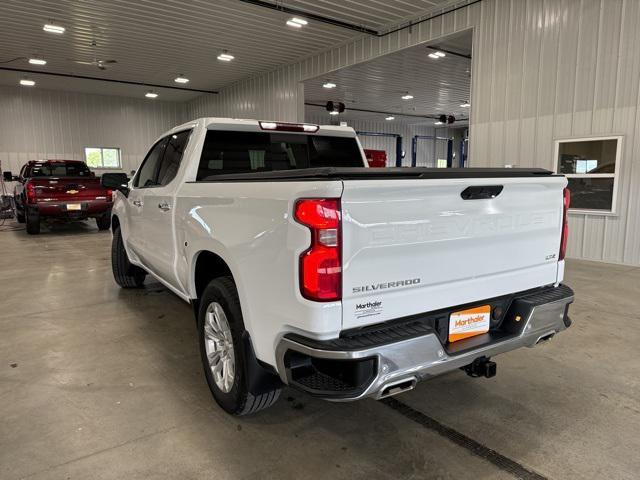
[[100, 383]]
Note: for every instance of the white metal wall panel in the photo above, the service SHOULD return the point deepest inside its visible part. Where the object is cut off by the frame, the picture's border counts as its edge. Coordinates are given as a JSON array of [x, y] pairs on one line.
[[542, 70], [37, 124]]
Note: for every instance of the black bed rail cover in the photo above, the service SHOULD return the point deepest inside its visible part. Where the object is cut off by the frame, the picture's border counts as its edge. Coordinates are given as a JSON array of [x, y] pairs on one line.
[[351, 173]]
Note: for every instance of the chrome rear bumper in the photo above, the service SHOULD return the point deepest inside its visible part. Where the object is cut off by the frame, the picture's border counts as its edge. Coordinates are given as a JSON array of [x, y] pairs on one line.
[[406, 362]]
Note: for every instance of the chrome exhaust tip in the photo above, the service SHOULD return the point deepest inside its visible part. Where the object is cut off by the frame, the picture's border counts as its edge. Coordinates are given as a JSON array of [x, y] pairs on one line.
[[399, 386]]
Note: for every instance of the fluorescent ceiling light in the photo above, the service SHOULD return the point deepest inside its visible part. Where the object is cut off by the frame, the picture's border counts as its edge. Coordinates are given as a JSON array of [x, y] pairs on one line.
[[440, 54], [181, 79], [407, 97], [53, 29], [465, 104], [37, 61], [390, 118], [225, 56], [151, 95], [293, 24], [438, 123], [329, 85], [334, 112], [434, 56], [300, 21], [27, 83]]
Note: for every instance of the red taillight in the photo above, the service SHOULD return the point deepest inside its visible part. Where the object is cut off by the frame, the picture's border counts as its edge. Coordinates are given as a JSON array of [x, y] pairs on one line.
[[566, 195], [31, 193], [109, 195], [321, 264]]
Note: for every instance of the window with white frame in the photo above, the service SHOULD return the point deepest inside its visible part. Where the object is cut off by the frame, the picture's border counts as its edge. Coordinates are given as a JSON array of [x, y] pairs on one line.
[[591, 166], [100, 158]]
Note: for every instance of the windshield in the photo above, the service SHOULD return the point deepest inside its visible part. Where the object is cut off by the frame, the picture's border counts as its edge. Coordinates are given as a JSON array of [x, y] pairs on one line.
[[59, 169], [243, 152]]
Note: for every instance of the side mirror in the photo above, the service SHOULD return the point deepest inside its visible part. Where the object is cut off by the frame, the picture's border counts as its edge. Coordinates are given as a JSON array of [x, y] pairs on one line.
[[116, 181], [9, 177]]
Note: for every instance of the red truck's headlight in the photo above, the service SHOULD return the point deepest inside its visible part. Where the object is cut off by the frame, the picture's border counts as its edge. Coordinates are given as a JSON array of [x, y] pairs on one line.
[[321, 264]]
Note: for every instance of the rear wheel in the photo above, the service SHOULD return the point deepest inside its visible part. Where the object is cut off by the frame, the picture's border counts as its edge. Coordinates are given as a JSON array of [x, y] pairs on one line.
[[33, 223], [104, 221], [220, 330], [125, 274]]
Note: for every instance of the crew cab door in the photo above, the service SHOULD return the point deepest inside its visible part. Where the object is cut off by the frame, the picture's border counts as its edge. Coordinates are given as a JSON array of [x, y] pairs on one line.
[[144, 181], [157, 217]]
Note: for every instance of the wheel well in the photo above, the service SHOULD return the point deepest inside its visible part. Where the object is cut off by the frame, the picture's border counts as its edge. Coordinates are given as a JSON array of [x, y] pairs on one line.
[[115, 223], [209, 266]]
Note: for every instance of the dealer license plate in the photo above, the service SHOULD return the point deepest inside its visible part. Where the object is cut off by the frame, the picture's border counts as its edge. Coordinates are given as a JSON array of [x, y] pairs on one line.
[[74, 206], [469, 323]]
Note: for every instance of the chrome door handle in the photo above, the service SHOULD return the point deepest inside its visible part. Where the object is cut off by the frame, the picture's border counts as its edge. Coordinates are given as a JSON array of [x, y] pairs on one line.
[[164, 206], [137, 203]]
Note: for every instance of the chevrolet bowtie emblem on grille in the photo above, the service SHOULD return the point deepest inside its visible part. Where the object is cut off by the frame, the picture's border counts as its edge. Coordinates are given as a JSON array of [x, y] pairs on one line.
[[72, 192]]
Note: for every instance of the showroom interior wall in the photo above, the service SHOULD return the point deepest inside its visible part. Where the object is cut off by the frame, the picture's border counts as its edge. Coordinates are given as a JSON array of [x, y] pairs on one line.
[[541, 70], [36, 123]]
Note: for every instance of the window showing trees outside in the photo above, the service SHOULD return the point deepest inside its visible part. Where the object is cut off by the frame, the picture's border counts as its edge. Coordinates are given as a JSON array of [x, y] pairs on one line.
[[99, 157], [591, 167]]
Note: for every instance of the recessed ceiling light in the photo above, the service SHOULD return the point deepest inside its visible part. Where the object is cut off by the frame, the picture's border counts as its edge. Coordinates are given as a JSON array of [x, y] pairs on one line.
[[434, 56], [53, 29], [438, 123], [299, 20], [329, 85], [37, 61], [334, 112], [181, 79], [25, 82], [440, 54], [225, 56], [389, 118], [465, 104], [294, 24], [151, 95], [407, 96]]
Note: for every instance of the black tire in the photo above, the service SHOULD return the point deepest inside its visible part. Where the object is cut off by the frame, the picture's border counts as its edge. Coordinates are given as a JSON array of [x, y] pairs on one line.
[[125, 274], [33, 223], [238, 401], [104, 221], [20, 216]]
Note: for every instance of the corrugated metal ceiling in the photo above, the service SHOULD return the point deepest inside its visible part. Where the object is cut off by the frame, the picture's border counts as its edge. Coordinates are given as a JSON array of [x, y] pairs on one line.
[[438, 86], [154, 41]]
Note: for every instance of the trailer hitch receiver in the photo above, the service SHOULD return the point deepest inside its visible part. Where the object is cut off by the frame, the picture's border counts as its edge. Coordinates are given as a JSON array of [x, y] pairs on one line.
[[481, 367]]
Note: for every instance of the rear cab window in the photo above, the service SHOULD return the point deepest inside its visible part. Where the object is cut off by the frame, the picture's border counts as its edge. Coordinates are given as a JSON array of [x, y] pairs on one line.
[[58, 169], [227, 152]]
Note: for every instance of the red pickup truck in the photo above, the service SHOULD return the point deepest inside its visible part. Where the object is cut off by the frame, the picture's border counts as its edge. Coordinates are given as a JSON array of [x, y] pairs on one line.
[[64, 189]]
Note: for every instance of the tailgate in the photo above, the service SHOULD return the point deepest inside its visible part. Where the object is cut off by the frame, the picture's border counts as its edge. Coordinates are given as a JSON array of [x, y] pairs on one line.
[[68, 189], [413, 246]]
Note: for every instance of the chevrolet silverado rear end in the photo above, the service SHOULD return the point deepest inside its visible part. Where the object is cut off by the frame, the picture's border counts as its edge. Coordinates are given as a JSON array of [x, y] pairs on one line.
[[435, 270], [61, 189]]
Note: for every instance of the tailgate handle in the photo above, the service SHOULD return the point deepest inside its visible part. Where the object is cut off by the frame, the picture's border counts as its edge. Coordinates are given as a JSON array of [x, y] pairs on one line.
[[481, 191]]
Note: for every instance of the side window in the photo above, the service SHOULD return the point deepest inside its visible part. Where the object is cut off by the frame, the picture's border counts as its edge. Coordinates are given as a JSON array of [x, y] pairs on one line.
[[147, 176], [172, 157]]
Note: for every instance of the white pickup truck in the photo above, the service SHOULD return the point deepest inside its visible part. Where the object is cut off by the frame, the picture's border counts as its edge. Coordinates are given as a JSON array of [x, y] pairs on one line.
[[305, 268]]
